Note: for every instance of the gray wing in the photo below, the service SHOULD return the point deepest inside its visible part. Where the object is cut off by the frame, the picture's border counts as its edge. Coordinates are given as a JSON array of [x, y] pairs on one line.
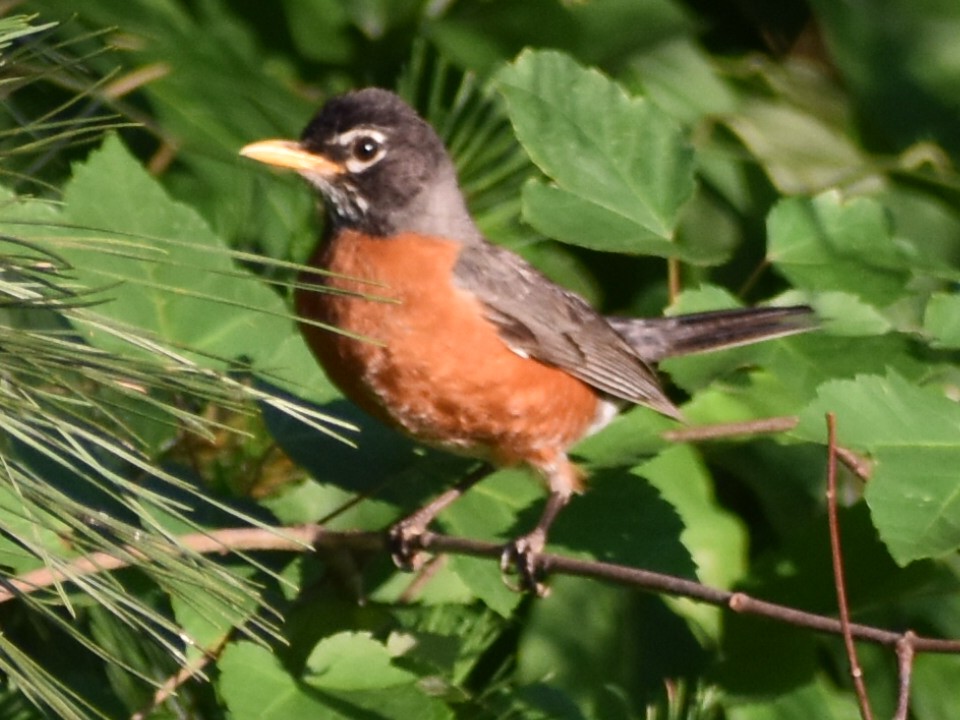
[[542, 320]]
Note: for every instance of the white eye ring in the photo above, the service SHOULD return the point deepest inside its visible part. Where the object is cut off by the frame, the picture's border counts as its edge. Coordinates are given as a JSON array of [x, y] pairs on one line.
[[365, 147]]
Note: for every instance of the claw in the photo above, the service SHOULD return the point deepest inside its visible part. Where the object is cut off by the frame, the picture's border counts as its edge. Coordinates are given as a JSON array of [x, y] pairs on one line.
[[522, 556], [404, 548], [402, 537]]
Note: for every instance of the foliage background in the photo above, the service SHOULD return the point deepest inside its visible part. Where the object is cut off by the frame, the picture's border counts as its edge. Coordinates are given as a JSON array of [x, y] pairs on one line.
[[799, 154]]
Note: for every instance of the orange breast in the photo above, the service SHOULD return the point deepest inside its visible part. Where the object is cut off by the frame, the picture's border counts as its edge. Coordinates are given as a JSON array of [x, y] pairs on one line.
[[439, 370]]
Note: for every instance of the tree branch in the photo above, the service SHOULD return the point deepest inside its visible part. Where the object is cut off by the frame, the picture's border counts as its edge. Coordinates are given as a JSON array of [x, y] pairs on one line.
[[905, 654], [856, 463], [839, 578], [716, 431], [302, 538]]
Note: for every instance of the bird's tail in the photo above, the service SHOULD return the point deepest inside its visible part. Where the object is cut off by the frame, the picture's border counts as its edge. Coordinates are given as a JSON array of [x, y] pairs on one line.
[[657, 338]]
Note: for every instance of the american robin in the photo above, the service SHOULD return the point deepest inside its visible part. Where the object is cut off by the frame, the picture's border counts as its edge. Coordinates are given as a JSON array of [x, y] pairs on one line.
[[474, 351]]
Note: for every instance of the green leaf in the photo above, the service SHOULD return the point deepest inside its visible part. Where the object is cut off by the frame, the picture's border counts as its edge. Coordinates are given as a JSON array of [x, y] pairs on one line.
[[829, 243], [603, 648], [618, 163], [715, 538], [932, 686], [942, 320], [567, 216], [800, 152], [490, 511], [166, 273], [682, 79], [843, 313], [254, 684], [353, 661], [622, 518], [913, 436], [817, 699]]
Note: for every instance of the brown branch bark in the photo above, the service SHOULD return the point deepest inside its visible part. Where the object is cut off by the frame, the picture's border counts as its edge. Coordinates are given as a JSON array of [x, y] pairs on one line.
[[839, 577], [301, 538], [905, 654], [716, 431], [856, 463]]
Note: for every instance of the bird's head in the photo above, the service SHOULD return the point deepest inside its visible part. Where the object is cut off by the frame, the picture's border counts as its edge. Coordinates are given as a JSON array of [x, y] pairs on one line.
[[380, 167]]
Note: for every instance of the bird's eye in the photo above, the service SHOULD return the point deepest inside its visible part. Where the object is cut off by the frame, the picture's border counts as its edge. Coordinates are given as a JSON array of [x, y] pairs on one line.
[[366, 148]]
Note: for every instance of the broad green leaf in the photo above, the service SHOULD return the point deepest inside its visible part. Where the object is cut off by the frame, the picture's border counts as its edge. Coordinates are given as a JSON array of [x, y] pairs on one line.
[[353, 661], [792, 370], [255, 685], [601, 646], [445, 589], [932, 687], [817, 699], [491, 511], [164, 272], [623, 518], [715, 538], [632, 438], [829, 243], [799, 151], [942, 320], [483, 36], [681, 78], [844, 313], [912, 434], [708, 230], [571, 218], [619, 518], [450, 638], [617, 162], [801, 363]]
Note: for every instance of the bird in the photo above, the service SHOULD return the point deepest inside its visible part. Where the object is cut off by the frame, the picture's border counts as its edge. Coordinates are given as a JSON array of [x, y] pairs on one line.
[[467, 348]]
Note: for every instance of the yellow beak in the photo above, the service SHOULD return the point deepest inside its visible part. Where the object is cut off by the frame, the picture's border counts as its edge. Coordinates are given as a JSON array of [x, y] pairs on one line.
[[290, 155]]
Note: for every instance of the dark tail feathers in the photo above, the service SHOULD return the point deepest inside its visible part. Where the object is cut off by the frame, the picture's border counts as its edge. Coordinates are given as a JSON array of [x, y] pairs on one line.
[[657, 338]]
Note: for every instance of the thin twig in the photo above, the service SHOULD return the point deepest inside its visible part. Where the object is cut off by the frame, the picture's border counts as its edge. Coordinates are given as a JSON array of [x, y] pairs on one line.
[[186, 673], [762, 426], [421, 577], [905, 654], [757, 273], [839, 578], [856, 463], [301, 537], [673, 278]]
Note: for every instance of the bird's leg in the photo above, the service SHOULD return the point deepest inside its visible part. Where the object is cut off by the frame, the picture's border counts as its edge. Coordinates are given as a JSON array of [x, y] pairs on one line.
[[402, 535], [522, 553], [563, 479]]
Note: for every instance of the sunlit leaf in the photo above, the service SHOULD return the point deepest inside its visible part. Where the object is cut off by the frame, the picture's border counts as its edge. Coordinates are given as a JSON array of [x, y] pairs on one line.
[[831, 243], [912, 435], [618, 163]]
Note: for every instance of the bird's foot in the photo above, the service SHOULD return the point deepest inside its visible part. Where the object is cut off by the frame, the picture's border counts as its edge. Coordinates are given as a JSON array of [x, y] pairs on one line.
[[522, 557], [403, 541]]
